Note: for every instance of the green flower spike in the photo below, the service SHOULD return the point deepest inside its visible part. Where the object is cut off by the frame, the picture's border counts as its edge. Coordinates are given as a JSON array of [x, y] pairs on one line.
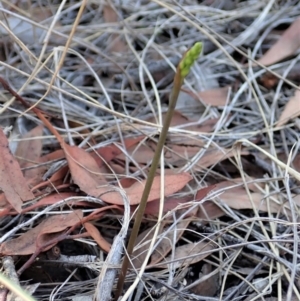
[[189, 59]]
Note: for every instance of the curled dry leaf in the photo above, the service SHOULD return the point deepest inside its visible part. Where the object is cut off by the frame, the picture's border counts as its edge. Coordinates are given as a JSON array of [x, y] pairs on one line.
[[41, 237], [13, 183], [95, 233], [286, 46]]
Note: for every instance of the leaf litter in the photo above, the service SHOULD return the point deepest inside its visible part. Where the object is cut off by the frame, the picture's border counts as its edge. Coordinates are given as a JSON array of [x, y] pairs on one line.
[[91, 138]]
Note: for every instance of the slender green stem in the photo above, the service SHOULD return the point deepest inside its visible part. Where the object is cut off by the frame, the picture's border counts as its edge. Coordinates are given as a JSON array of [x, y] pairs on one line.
[[182, 70]]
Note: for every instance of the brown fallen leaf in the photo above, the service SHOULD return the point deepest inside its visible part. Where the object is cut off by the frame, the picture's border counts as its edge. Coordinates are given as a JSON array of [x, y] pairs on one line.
[[177, 119], [142, 245], [38, 238], [215, 155], [238, 198], [184, 122], [84, 170], [215, 97], [208, 287], [209, 211], [187, 254], [270, 80], [179, 154], [170, 203], [13, 183], [96, 235], [115, 43], [291, 109], [168, 241], [56, 179], [106, 154], [56, 155], [28, 153], [173, 183], [87, 176], [50, 200], [286, 46], [165, 245]]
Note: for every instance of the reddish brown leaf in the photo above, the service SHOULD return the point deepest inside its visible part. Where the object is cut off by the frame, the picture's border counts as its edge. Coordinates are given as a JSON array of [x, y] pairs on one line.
[[56, 178], [179, 119], [177, 152], [207, 210], [286, 46], [28, 154], [95, 233], [38, 238], [165, 246], [56, 155], [127, 182], [142, 153], [85, 171], [107, 153], [86, 175], [13, 184], [50, 200], [171, 203], [173, 183]]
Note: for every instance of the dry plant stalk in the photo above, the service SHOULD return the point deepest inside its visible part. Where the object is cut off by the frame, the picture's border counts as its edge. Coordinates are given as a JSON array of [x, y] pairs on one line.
[[182, 71]]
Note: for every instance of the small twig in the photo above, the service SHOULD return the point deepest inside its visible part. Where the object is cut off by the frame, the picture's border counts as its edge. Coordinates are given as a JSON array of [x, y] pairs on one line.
[[108, 274]]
